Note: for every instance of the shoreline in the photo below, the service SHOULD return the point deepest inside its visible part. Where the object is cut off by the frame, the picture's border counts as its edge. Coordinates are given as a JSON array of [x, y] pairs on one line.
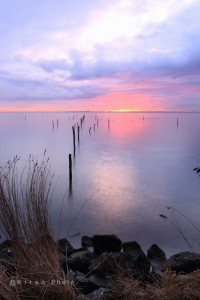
[[95, 269]]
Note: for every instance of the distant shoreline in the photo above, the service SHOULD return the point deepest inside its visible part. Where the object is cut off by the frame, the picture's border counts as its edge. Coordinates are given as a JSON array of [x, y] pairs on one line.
[[107, 111]]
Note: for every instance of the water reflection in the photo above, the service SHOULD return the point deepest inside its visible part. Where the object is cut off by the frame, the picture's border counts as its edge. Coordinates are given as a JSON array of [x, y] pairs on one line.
[[113, 177], [124, 174]]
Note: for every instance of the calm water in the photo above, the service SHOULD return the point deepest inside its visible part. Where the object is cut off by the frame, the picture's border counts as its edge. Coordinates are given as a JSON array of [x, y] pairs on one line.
[[124, 175]]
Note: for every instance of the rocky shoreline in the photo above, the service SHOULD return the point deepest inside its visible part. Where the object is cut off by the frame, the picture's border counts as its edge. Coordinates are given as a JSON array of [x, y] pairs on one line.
[[94, 267]]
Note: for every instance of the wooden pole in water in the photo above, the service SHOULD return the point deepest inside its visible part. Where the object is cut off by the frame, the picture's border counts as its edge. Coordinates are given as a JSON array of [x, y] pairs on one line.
[[74, 139], [70, 171], [78, 128], [177, 122]]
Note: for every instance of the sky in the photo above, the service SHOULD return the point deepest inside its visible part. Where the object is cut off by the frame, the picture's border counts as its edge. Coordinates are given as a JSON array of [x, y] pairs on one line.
[[119, 55]]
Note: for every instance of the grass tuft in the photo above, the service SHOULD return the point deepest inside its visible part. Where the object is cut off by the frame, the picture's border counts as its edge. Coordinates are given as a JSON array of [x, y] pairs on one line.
[[25, 220]]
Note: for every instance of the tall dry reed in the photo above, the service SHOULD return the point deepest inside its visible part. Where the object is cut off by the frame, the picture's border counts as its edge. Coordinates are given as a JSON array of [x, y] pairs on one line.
[[25, 221]]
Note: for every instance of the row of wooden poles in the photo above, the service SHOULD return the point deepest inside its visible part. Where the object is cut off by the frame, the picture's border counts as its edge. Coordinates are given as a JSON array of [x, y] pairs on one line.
[[74, 147], [95, 124], [78, 134], [78, 127]]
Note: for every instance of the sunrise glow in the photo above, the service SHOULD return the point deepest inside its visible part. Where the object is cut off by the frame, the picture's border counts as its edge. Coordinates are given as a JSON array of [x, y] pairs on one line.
[[121, 55]]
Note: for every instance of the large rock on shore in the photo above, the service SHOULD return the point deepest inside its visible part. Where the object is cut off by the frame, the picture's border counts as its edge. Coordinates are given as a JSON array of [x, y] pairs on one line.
[[95, 273], [79, 260], [86, 241], [84, 285], [64, 246], [137, 263], [133, 263], [186, 262], [106, 243], [130, 247], [156, 253]]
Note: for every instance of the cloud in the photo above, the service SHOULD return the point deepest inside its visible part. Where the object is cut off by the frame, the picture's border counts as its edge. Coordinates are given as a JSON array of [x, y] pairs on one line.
[[29, 89], [83, 49]]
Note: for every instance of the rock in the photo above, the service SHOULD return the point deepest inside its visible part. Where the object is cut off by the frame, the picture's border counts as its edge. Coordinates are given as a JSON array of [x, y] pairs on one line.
[[89, 284], [106, 243], [100, 294], [104, 264], [5, 244], [70, 276], [7, 257], [7, 260], [86, 241], [186, 262], [80, 260], [6, 250], [82, 249], [155, 253], [63, 245], [136, 265], [157, 258], [10, 268], [6, 254], [101, 281], [132, 246], [84, 285]]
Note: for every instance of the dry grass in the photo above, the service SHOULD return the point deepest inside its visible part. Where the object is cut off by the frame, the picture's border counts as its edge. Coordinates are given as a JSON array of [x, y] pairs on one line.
[[24, 217], [176, 287], [171, 287], [6, 291]]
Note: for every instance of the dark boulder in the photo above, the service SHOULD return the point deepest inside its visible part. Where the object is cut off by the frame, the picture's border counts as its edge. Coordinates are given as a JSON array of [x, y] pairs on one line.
[[155, 253], [82, 249], [132, 246], [101, 293], [64, 246], [186, 262], [80, 260], [136, 265], [105, 264], [86, 241], [106, 243], [7, 257], [101, 281], [84, 285], [5, 244]]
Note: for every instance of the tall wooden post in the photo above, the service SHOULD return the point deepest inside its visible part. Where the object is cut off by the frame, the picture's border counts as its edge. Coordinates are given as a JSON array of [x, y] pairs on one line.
[[78, 128], [74, 139], [70, 171]]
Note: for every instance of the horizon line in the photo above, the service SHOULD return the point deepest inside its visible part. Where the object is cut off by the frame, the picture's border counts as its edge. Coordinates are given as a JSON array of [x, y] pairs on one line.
[[102, 111]]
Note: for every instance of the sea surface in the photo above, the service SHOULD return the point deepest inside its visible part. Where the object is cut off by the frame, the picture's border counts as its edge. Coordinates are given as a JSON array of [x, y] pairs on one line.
[[127, 170]]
